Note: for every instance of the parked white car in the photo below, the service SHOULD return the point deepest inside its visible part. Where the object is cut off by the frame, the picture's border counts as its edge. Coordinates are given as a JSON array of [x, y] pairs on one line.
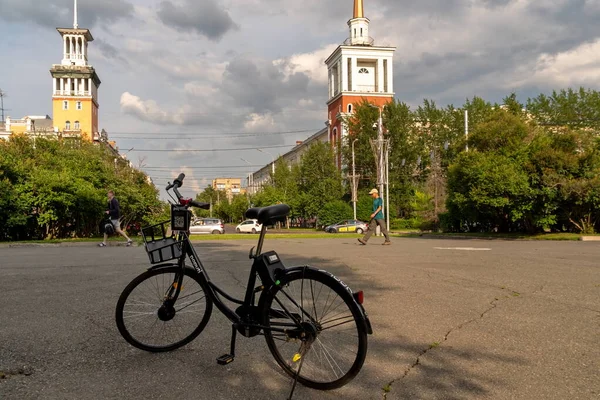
[[249, 226], [207, 225]]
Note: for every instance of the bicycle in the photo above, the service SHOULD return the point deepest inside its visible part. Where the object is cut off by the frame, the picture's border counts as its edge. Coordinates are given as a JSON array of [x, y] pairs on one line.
[[166, 296]]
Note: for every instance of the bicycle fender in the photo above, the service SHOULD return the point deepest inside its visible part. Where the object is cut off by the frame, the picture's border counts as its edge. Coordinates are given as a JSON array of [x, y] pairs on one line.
[[159, 266], [361, 309]]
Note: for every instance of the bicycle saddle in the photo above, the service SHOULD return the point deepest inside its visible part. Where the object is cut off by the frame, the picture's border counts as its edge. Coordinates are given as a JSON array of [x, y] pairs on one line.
[[270, 214]]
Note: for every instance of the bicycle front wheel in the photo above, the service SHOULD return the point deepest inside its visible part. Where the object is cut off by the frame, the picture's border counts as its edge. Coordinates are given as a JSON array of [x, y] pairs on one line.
[[150, 318], [314, 329]]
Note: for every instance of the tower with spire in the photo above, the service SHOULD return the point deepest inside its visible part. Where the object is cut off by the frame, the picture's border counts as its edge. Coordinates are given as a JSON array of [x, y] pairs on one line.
[[75, 85], [359, 70]]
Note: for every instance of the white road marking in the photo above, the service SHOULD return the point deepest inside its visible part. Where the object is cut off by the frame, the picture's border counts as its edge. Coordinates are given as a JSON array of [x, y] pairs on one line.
[[464, 248]]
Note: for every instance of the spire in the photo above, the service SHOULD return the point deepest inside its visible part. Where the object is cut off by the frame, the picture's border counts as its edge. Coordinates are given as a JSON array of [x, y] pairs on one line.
[[358, 9], [75, 25]]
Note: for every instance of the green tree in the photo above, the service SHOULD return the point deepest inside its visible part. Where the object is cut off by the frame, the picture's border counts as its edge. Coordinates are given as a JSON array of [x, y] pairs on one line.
[[334, 212], [320, 182]]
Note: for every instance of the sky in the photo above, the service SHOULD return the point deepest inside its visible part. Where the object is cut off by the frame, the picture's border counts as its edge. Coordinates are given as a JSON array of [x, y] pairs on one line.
[[215, 75]]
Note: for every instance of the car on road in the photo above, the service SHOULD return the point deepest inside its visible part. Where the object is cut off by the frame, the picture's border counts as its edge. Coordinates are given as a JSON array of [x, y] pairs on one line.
[[207, 225], [249, 226], [347, 226]]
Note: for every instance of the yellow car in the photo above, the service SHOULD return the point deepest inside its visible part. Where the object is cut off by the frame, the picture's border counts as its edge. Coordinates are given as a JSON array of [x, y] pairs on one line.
[[348, 226]]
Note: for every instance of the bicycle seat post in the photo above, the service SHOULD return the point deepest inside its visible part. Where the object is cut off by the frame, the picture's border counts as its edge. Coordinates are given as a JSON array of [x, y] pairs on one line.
[[261, 240]]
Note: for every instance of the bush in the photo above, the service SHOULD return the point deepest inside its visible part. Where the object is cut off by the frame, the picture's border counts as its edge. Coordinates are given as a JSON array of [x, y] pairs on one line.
[[334, 212], [405, 223]]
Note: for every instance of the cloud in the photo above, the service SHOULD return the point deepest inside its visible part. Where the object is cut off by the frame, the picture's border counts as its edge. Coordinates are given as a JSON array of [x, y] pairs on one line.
[[568, 69], [261, 85], [146, 110], [311, 64], [208, 18], [59, 13]]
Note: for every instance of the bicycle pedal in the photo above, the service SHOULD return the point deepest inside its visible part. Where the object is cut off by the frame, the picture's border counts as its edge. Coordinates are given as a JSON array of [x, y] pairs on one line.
[[225, 359]]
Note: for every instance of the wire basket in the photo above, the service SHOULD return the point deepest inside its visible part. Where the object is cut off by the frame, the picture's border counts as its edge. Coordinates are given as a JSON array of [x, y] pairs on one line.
[[159, 246]]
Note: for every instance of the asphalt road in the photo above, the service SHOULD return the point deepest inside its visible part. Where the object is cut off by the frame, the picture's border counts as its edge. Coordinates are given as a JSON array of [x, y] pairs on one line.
[[453, 319]]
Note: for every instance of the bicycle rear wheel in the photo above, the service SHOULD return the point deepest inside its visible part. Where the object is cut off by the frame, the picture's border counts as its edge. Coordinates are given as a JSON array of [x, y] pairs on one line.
[[325, 338], [150, 319]]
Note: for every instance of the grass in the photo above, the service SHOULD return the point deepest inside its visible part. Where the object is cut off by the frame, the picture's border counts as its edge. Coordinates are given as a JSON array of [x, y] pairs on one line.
[[235, 236], [306, 234]]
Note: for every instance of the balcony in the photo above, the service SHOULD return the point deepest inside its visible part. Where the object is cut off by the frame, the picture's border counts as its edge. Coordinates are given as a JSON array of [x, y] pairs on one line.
[[72, 93], [75, 57], [364, 41], [363, 88]]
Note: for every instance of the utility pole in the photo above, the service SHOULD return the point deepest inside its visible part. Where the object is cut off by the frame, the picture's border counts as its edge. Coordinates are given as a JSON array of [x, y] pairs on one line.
[[467, 130], [2, 96], [380, 148], [354, 182]]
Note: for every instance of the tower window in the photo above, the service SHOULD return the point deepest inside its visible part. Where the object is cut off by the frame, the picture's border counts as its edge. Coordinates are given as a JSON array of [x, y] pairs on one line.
[[361, 32], [349, 108], [76, 125], [65, 105], [363, 71], [78, 105], [68, 126]]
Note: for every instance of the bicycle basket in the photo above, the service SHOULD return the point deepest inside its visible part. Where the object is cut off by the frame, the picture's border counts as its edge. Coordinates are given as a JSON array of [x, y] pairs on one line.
[[159, 246]]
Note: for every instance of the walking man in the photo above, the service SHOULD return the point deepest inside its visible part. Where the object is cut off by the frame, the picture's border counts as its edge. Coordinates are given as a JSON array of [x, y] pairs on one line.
[[376, 219], [114, 213]]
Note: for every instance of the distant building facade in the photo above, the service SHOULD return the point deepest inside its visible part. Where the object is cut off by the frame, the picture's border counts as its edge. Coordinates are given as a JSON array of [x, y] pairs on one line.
[[358, 70], [74, 94], [231, 186]]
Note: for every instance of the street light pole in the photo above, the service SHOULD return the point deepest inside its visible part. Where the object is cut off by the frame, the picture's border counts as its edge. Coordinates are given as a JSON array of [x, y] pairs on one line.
[[250, 177], [272, 158], [354, 194], [467, 130], [382, 169]]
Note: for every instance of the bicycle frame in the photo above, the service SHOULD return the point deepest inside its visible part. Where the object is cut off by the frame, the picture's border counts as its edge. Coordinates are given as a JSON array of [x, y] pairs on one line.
[[214, 292]]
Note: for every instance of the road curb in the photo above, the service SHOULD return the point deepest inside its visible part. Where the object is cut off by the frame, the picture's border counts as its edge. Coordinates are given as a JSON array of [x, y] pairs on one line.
[[590, 239]]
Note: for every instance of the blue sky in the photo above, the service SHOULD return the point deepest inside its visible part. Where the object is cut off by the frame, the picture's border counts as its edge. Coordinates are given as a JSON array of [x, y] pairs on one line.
[[226, 68]]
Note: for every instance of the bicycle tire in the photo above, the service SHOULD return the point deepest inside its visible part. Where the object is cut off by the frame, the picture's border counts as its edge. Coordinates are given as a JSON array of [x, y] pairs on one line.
[[121, 315], [289, 361]]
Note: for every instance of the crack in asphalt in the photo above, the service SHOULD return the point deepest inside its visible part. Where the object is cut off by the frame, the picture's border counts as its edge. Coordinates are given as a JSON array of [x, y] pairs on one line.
[[387, 388], [235, 278]]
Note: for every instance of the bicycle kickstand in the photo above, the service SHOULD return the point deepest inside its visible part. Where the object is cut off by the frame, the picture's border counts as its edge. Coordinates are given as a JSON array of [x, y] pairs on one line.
[[227, 358], [296, 378]]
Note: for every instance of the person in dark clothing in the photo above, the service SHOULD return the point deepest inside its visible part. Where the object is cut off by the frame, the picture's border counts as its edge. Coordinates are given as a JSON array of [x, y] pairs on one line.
[[376, 219], [114, 214]]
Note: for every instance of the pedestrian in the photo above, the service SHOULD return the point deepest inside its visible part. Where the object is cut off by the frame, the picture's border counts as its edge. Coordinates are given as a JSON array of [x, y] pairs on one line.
[[114, 213], [376, 219]]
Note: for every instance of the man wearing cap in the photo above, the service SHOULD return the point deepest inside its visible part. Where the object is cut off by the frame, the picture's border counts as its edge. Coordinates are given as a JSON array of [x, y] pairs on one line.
[[376, 219]]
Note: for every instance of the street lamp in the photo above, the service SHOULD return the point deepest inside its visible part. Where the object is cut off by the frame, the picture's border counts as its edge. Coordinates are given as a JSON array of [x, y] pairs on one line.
[[272, 158], [383, 168], [354, 196], [250, 177]]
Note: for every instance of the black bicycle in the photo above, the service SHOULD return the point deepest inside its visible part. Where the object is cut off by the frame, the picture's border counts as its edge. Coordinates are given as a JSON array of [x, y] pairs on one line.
[[314, 324]]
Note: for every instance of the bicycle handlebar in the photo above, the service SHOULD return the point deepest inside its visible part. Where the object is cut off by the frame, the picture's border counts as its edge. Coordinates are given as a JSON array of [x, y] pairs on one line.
[[177, 183]]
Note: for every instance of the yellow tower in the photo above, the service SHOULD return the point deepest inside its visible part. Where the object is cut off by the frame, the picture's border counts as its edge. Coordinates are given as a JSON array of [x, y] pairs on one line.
[[75, 85]]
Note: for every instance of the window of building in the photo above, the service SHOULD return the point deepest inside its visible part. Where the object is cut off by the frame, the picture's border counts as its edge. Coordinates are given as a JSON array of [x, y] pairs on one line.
[[79, 107], [361, 32], [68, 126], [65, 104], [349, 108], [76, 125], [363, 71]]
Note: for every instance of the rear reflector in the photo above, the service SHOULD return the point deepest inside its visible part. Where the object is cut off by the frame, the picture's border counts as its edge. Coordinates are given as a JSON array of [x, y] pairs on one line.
[[359, 297]]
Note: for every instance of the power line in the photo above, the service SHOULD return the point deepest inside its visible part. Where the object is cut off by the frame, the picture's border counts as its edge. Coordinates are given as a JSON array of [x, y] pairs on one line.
[[210, 150], [207, 134], [215, 167]]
